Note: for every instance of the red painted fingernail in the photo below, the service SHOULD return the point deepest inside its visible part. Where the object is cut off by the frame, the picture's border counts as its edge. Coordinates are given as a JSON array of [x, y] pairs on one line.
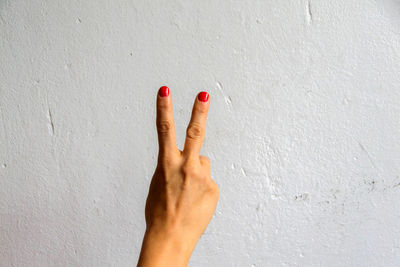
[[203, 96], [163, 91]]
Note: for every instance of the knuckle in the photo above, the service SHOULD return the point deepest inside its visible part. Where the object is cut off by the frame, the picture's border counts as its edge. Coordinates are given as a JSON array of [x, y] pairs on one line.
[[215, 189], [194, 131], [165, 162], [163, 105], [188, 168], [201, 109], [168, 161], [205, 160], [164, 126], [191, 167]]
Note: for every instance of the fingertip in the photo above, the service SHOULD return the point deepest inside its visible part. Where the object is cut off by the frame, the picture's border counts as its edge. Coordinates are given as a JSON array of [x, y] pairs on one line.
[[201, 104], [203, 96], [163, 98], [163, 91]]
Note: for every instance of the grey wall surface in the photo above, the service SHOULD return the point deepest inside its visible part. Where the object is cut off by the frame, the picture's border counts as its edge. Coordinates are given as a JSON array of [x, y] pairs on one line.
[[303, 130]]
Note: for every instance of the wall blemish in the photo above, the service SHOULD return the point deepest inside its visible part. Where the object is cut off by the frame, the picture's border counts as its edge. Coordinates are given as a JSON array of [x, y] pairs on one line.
[[368, 155], [309, 13], [228, 99], [51, 124], [2, 20]]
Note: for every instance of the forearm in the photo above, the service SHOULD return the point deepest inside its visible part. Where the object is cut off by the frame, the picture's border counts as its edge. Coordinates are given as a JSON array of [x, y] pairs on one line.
[[160, 249]]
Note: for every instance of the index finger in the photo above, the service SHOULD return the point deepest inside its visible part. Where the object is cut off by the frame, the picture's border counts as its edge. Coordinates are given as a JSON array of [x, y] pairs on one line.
[[165, 122], [196, 130]]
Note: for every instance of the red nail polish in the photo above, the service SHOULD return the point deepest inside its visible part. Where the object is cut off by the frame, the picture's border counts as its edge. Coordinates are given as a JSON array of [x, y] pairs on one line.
[[163, 91], [203, 96]]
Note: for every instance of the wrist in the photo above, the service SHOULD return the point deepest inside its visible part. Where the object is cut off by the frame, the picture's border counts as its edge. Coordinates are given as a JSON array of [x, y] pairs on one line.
[[164, 247]]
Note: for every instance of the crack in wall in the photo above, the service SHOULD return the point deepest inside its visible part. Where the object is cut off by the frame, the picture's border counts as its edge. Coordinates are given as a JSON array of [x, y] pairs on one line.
[[50, 118], [368, 155], [309, 13]]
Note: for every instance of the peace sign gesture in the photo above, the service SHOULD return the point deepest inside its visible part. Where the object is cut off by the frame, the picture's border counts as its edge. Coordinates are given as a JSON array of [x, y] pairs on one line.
[[182, 196], [166, 128]]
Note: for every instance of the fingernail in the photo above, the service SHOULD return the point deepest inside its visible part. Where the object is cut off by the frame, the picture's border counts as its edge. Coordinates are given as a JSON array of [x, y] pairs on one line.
[[163, 91], [203, 96]]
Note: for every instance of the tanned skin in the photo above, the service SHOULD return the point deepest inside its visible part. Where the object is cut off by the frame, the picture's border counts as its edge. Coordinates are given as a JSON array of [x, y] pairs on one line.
[[182, 197]]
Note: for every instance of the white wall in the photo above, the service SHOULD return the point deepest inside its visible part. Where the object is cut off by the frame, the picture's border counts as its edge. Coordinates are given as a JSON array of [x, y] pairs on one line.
[[303, 131]]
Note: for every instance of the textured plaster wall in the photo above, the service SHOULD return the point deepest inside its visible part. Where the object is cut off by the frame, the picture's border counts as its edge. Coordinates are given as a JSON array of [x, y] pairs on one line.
[[303, 131]]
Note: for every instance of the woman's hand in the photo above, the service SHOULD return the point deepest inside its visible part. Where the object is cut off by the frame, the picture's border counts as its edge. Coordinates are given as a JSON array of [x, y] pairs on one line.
[[182, 196]]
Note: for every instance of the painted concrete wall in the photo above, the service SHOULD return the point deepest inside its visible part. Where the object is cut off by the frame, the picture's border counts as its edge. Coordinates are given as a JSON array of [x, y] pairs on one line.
[[303, 131]]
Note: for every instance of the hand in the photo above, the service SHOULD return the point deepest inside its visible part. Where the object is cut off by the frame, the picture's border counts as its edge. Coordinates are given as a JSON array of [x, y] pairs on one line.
[[182, 196]]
